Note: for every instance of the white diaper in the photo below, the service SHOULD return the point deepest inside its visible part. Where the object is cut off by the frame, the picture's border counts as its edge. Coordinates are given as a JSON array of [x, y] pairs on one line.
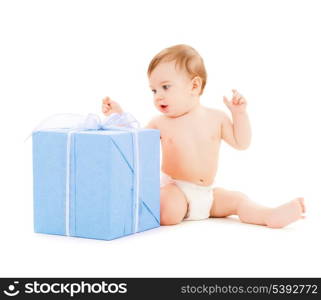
[[199, 198]]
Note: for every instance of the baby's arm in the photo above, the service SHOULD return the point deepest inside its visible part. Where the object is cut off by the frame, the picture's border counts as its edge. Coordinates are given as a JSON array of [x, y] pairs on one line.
[[109, 107], [237, 134]]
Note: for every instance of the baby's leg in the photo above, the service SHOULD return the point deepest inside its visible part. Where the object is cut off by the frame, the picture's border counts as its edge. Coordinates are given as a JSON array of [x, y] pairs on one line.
[[173, 205], [228, 203]]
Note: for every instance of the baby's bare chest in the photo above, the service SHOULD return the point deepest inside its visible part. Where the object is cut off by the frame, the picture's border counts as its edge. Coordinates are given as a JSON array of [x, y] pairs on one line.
[[187, 136]]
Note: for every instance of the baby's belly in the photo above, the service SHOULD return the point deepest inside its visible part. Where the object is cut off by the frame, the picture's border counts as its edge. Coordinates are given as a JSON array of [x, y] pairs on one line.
[[193, 165]]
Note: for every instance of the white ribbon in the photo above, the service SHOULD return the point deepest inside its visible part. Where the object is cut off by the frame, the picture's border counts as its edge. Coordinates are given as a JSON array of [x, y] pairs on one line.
[[77, 123], [137, 184]]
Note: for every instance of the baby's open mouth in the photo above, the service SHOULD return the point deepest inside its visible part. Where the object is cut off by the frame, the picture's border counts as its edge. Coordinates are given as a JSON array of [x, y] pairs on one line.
[[164, 108]]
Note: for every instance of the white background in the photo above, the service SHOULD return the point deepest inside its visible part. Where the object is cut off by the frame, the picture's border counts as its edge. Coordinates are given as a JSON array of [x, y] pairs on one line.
[[65, 56]]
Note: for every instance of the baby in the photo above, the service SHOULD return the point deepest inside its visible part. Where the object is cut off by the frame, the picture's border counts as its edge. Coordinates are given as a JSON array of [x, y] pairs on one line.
[[191, 135]]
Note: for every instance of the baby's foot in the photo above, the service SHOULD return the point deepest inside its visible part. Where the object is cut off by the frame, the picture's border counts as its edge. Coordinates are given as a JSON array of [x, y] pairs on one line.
[[286, 213]]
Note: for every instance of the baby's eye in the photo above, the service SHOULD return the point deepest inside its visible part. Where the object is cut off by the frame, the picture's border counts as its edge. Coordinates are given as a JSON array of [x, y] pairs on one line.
[[153, 91], [166, 86]]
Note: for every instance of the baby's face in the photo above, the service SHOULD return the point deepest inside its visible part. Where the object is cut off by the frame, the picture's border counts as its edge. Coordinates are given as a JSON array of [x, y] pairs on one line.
[[172, 90]]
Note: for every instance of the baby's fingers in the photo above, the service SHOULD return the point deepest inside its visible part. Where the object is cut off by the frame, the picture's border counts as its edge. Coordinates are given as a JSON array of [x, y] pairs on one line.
[[106, 100], [241, 99], [237, 97], [105, 109], [235, 100], [234, 97], [226, 101]]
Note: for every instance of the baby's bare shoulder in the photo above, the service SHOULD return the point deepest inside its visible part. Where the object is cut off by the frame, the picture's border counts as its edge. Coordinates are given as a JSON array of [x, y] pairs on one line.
[[216, 113], [155, 122]]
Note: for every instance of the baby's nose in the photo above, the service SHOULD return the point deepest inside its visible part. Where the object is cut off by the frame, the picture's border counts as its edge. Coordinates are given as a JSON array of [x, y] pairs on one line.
[[159, 96]]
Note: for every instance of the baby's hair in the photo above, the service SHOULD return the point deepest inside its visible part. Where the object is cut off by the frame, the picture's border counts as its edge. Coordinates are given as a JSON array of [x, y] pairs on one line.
[[187, 59]]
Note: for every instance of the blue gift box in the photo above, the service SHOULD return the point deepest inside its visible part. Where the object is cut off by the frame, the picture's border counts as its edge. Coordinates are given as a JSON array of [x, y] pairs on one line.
[[100, 184]]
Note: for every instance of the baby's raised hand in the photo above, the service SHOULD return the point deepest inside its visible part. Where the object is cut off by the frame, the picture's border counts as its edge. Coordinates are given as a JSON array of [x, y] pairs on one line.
[[109, 107], [237, 103]]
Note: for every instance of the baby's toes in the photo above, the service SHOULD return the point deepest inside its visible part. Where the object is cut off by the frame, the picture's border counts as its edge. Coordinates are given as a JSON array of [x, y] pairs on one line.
[[301, 201]]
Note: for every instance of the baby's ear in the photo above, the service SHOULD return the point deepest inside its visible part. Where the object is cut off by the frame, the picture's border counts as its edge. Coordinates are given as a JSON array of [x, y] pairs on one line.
[[196, 84]]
